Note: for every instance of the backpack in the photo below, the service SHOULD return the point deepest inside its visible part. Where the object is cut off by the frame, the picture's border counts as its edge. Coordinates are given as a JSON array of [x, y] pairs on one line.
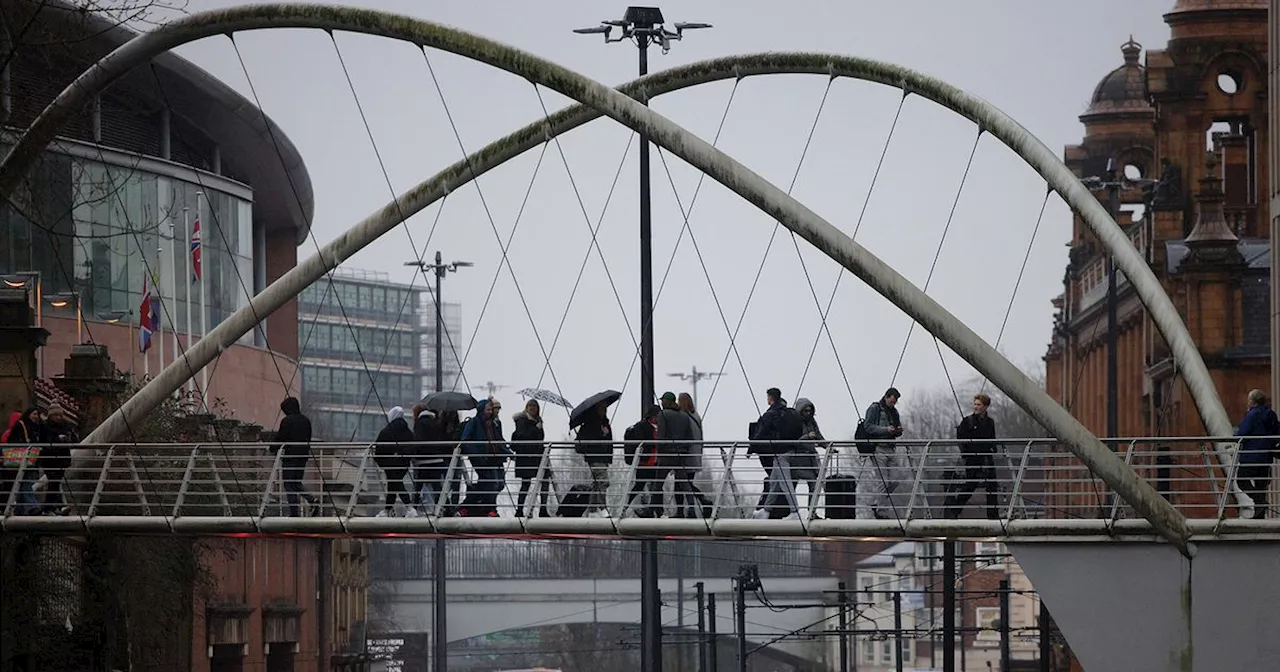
[[641, 431], [791, 425], [862, 439]]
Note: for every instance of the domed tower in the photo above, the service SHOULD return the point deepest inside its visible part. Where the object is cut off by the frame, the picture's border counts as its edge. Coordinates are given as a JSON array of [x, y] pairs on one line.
[[1118, 143]]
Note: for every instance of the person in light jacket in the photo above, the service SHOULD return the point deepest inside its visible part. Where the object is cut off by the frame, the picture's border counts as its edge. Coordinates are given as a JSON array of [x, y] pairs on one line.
[[887, 467]]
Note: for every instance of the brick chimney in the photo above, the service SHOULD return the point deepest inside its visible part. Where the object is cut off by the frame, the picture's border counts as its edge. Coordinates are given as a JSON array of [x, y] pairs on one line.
[[19, 340]]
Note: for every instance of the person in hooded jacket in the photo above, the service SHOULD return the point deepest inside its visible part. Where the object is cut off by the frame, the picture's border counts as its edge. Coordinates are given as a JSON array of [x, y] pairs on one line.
[[528, 435], [392, 455], [426, 457], [805, 458], [484, 446], [55, 458], [293, 443]]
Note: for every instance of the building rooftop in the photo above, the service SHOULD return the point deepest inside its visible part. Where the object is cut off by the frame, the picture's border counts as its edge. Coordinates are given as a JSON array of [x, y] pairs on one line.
[[888, 556], [1123, 90], [253, 148]]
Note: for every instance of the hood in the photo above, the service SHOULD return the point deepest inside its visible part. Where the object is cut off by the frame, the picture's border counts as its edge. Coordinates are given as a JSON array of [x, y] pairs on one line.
[[291, 406], [426, 413], [396, 413], [14, 417], [803, 403], [521, 415], [26, 415], [480, 406]]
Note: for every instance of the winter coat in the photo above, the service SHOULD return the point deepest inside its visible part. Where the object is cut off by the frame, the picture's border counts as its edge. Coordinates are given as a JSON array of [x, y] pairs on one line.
[[393, 449], [976, 427], [293, 437], [528, 455], [595, 429], [56, 456], [1258, 421], [482, 440], [677, 427], [877, 421]]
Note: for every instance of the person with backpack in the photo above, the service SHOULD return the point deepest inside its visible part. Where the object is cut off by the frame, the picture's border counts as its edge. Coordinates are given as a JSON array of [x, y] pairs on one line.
[[782, 428], [1256, 454], [882, 422], [643, 450]]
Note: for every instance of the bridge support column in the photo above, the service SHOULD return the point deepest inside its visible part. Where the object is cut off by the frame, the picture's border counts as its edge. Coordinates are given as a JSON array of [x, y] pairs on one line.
[[1145, 607]]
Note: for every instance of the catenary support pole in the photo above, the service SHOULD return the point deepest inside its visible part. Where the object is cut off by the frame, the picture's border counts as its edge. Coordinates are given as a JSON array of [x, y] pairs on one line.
[[713, 641], [702, 627], [717, 165], [1006, 657], [897, 630], [842, 600], [740, 613], [650, 609], [948, 606]]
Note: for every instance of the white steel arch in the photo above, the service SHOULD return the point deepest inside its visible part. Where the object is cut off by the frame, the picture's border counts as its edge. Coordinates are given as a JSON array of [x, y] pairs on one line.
[[1168, 522]]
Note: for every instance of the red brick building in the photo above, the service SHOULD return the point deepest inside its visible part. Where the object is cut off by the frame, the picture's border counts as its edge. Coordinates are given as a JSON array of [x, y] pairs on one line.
[[1189, 131]]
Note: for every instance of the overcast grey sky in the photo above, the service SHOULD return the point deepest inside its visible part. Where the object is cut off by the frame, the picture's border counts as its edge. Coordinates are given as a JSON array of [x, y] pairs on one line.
[[1038, 61]]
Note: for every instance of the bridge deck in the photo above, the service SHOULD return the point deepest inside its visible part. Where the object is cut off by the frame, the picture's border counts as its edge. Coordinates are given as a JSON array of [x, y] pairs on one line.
[[832, 491]]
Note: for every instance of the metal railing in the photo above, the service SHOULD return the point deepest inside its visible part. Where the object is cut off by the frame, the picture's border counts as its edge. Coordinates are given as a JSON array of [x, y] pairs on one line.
[[906, 486]]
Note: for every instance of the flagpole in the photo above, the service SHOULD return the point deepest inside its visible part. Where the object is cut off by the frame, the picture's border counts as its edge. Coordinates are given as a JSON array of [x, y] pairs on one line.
[[146, 299], [204, 312], [156, 285], [186, 226]]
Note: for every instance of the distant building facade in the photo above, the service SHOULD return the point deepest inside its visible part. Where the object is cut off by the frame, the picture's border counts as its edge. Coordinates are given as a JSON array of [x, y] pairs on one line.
[[911, 573], [1189, 130], [367, 344]]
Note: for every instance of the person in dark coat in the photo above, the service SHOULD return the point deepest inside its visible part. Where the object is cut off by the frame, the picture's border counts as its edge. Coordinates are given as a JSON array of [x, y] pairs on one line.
[[427, 457], [528, 436], [649, 471], [678, 434], [55, 458], [293, 443], [484, 446], [1254, 471], [593, 443], [22, 446], [394, 445], [978, 457]]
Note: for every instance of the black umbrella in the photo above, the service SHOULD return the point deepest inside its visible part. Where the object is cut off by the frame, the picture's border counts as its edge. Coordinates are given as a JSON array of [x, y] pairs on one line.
[[580, 412], [443, 402]]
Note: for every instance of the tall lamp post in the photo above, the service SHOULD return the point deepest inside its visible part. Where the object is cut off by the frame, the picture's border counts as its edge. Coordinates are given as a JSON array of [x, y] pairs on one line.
[[692, 378], [64, 300], [440, 621], [645, 25]]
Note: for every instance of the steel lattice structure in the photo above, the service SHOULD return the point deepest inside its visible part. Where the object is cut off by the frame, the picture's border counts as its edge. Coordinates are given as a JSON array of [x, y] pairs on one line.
[[597, 99]]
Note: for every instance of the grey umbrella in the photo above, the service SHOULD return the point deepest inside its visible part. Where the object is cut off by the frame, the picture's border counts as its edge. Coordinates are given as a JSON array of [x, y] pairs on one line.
[[545, 396], [580, 411], [443, 402]]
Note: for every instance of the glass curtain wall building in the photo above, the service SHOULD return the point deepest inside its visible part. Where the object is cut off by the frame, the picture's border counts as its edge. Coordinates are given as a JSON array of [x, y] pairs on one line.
[[96, 230], [366, 344]]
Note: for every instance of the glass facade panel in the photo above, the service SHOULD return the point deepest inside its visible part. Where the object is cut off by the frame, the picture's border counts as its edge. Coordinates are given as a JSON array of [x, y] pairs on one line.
[[97, 230]]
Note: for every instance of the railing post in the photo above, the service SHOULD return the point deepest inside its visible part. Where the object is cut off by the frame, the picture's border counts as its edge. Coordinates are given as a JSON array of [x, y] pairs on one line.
[[820, 487], [1017, 480], [915, 484], [222, 491], [137, 486], [1229, 485], [725, 478], [535, 490], [355, 490], [186, 480], [271, 480], [102, 480], [1115, 501], [448, 479]]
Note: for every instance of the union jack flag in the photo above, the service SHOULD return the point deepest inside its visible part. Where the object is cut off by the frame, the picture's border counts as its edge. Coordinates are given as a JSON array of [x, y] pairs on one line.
[[148, 317], [195, 251]]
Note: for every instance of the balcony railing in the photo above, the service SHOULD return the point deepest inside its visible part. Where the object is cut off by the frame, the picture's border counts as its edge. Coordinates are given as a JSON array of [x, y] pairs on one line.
[[708, 489]]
